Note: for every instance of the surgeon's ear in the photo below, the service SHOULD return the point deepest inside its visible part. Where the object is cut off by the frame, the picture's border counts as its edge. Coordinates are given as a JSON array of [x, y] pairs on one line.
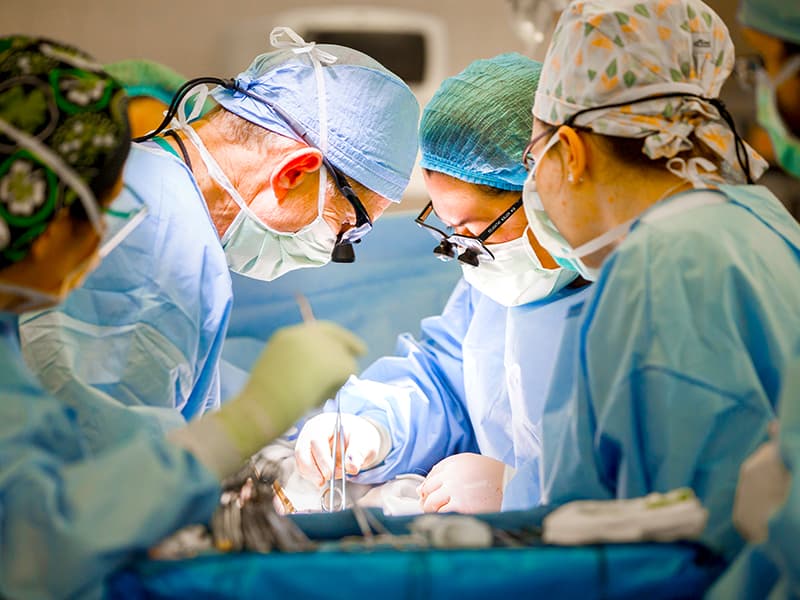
[[292, 170], [575, 149]]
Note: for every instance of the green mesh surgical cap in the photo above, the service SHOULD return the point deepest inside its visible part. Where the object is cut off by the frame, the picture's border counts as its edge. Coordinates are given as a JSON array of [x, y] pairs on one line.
[[778, 18], [478, 123]]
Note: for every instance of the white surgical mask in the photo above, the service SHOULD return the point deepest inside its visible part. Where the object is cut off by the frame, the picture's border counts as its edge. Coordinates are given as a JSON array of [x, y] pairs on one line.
[[562, 252], [516, 275], [252, 247], [543, 228]]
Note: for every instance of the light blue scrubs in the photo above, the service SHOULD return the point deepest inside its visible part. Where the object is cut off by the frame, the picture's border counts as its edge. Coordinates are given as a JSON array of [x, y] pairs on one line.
[[679, 357], [68, 519], [474, 382], [772, 569], [146, 328]]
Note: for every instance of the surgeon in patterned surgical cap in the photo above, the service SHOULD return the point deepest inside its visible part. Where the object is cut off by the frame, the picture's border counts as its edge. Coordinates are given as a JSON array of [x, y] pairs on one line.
[[70, 515], [639, 180]]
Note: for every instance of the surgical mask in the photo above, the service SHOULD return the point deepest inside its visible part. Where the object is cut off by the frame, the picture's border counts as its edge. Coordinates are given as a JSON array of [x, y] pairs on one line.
[[125, 220], [562, 252], [516, 275], [252, 247], [543, 228], [785, 144]]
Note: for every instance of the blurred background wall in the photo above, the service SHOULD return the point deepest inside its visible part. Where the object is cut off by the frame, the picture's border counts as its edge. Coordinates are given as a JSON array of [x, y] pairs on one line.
[[220, 38]]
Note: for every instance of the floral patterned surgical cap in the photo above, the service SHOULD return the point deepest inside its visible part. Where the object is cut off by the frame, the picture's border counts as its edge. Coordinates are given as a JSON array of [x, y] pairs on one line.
[[619, 52], [60, 97]]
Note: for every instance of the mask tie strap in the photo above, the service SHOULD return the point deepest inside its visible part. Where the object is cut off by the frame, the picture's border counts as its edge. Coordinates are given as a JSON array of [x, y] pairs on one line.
[[181, 123]]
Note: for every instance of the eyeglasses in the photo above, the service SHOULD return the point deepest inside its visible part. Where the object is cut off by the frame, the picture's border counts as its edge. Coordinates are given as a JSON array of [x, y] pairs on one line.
[[468, 249], [528, 161]]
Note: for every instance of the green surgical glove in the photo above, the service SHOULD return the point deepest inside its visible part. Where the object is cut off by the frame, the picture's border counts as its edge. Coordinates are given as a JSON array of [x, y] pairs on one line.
[[300, 367]]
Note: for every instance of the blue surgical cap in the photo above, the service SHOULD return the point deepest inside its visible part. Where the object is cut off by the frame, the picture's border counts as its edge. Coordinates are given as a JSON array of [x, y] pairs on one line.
[[372, 114], [478, 123], [778, 18]]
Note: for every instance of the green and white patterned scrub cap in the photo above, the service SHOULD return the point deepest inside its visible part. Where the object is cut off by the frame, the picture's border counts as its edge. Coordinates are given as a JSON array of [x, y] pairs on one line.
[[64, 137], [621, 52]]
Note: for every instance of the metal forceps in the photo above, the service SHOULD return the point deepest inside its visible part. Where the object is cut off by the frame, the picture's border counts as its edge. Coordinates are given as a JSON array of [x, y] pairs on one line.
[[331, 499], [334, 498]]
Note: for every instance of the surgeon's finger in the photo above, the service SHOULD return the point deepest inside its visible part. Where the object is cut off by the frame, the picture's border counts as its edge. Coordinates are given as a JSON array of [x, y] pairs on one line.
[[306, 465], [357, 454], [321, 453], [429, 485], [435, 501]]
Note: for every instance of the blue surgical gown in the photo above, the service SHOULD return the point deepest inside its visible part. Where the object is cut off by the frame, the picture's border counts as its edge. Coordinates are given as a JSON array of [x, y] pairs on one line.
[[69, 518], [474, 382], [772, 569], [678, 358], [146, 328]]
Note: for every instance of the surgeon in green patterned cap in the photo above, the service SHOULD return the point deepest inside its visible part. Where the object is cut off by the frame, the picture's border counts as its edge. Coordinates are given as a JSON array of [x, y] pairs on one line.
[[63, 142], [71, 515]]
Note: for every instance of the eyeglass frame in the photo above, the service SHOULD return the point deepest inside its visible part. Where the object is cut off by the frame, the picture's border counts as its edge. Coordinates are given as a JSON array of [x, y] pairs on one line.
[[363, 224], [474, 246], [527, 158]]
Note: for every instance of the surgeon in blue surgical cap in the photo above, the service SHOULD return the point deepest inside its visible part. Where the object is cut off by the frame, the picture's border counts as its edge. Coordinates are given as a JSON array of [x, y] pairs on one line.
[[767, 507], [307, 147], [463, 403], [70, 516]]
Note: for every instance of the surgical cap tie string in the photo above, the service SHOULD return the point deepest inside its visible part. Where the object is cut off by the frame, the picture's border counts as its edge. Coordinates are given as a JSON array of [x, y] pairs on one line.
[[298, 45], [690, 169], [741, 152]]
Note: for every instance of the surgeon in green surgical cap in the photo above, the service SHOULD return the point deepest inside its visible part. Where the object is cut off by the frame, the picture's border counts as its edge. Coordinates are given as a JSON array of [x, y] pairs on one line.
[[773, 27]]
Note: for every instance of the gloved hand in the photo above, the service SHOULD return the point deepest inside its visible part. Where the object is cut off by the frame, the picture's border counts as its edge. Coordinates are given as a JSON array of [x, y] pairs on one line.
[[465, 483], [366, 444], [300, 367], [762, 489]]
